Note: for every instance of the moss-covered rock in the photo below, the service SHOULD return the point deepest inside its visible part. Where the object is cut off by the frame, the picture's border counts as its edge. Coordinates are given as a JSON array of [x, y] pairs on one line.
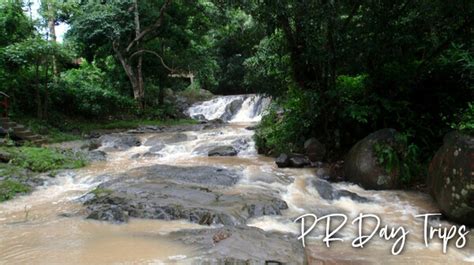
[[362, 165], [451, 177]]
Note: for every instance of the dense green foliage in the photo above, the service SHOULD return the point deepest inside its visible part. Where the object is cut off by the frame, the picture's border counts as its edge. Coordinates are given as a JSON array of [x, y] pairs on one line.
[[337, 70], [359, 66], [86, 90], [38, 159]]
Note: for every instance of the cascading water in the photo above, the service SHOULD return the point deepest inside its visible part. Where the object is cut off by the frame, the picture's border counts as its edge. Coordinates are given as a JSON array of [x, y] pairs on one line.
[[237, 108], [47, 226]]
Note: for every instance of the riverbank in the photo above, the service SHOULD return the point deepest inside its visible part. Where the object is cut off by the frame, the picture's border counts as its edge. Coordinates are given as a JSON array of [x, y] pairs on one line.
[[163, 194], [23, 167]]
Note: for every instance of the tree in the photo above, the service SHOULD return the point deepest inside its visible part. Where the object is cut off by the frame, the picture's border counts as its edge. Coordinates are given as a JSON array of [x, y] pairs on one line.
[[124, 33], [39, 54]]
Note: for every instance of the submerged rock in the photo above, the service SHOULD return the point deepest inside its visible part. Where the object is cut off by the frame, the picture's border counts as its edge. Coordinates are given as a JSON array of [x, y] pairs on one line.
[[159, 140], [242, 245], [361, 165], [226, 150], [328, 192], [96, 155], [451, 178]]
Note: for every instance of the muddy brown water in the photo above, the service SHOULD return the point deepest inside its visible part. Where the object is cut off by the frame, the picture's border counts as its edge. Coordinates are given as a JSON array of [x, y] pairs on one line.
[[44, 227]]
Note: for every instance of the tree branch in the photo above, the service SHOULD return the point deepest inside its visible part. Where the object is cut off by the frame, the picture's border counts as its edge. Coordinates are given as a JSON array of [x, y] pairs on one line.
[[172, 70], [351, 16], [152, 27], [444, 45]]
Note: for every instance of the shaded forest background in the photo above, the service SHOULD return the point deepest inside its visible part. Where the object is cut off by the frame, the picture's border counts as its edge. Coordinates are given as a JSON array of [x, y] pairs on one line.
[[337, 70]]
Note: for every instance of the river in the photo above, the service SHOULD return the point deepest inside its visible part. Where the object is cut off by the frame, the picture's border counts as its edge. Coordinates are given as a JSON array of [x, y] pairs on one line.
[[48, 225]]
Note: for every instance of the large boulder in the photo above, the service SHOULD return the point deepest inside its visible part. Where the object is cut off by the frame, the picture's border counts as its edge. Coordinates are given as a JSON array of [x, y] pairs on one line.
[[451, 177], [314, 149], [362, 167]]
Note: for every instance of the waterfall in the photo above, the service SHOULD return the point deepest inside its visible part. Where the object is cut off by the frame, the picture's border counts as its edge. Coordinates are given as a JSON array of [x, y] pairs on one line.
[[236, 108]]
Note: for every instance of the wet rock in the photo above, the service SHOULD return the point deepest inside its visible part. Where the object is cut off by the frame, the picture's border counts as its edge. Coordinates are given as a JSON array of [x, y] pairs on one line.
[[226, 150], [451, 178], [136, 156], [172, 193], [292, 160], [199, 117], [217, 121], [108, 212], [96, 155], [361, 165], [251, 128], [297, 160], [232, 109], [241, 144], [283, 160], [158, 147], [203, 149], [273, 207], [328, 192], [242, 245], [332, 172], [154, 140], [119, 141], [91, 144], [152, 154], [159, 140], [314, 149], [178, 138]]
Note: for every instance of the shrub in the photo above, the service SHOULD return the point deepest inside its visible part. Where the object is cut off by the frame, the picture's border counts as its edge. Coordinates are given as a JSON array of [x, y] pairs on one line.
[[43, 159], [9, 188], [84, 91], [400, 156], [465, 120], [284, 129]]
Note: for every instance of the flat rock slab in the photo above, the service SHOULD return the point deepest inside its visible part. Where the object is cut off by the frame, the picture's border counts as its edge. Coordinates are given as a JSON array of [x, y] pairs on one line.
[[167, 192], [243, 245]]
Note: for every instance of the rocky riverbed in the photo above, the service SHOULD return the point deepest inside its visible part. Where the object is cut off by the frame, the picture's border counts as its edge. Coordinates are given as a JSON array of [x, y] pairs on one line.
[[179, 196]]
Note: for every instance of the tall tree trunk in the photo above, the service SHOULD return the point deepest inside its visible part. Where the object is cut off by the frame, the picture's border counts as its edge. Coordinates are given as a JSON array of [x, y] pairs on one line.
[[52, 35], [39, 108], [140, 84], [331, 83], [46, 92]]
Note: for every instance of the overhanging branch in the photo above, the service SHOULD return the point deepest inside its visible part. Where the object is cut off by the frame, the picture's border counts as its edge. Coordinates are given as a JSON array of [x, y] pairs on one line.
[[157, 55], [151, 28]]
